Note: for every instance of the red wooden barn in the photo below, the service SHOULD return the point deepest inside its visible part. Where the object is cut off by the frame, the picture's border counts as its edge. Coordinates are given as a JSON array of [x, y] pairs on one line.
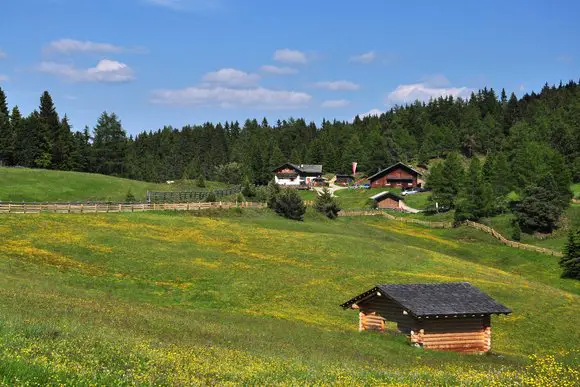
[[396, 176], [446, 316]]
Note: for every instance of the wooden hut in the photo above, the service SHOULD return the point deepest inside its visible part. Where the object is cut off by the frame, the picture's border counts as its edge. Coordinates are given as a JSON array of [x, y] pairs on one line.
[[387, 199], [446, 316]]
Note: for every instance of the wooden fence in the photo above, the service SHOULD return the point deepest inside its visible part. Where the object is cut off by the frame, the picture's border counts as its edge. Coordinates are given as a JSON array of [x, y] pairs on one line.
[[188, 196], [468, 223], [507, 242], [86, 208]]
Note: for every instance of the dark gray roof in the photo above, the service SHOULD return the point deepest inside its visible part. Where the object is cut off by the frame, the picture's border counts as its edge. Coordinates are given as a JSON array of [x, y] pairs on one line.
[[422, 300], [383, 194], [399, 164], [305, 168], [309, 168]]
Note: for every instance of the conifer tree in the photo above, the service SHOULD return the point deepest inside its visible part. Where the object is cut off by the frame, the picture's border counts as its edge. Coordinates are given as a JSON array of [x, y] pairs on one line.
[[7, 136], [326, 204], [570, 261], [109, 145]]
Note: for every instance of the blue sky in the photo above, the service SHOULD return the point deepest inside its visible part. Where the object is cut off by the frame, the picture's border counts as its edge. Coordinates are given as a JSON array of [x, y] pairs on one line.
[[174, 62]]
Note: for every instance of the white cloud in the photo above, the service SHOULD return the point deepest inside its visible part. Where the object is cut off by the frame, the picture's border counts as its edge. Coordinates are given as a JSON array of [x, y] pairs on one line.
[[335, 103], [290, 56], [186, 5], [231, 78], [337, 85], [424, 92], [70, 46], [568, 59], [229, 97], [4, 78], [278, 70], [3, 55], [436, 80], [367, 57], [522, 87], [106, 70]]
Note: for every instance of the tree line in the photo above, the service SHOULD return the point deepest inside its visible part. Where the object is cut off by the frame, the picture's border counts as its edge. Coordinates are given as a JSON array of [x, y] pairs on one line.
[[525, 136]]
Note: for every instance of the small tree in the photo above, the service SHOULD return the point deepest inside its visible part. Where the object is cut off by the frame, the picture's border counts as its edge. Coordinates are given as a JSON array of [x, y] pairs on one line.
[[273, 190], [211, 198], [130, 198], [200, 182], [516, 231], [289, 205], [247, 189], [570, 261], [326, 204]]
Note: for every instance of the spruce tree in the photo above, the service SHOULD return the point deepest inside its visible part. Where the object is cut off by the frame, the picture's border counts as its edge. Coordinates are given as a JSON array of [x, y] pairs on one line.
[[7, 136], [475, 198], [53, 130], [109, 145], [570, 261], [289, 204], [326, 204]]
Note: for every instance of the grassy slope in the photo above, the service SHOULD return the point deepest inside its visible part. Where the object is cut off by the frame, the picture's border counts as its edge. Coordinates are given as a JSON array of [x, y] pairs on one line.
[[173, 299], [576, 190], [36, 185], [503, 224]]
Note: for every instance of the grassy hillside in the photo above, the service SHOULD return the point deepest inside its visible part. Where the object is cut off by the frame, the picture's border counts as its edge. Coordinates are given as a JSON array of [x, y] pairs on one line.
[[503, 224], [177, 299], [37, 185]]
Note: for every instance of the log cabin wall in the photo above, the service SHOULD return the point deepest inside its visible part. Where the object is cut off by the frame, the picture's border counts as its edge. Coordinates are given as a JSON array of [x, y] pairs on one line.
[[375, 311], [398, 173], [454, 334], [388, 203]]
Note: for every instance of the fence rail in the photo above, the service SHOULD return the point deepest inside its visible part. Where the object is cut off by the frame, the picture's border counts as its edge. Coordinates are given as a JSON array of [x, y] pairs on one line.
[[86, 208], [188, 196]]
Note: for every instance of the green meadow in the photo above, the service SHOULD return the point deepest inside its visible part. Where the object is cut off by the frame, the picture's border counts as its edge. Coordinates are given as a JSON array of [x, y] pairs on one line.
[[246, 297], [36, 185]]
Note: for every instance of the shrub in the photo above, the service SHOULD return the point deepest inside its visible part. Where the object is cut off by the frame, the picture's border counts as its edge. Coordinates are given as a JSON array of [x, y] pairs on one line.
[[289, 204], [247, 189], [516, 231], [200, 182], [240, 198], [272, 191], [130, 198], [326, 204], [210, 198]]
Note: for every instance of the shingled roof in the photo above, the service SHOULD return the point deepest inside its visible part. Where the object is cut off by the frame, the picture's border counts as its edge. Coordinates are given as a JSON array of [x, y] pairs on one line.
[[304, 168], [424, 300]]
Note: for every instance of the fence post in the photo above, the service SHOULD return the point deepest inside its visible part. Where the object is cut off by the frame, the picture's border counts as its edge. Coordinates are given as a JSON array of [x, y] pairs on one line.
[[82, 207], [9, 209]]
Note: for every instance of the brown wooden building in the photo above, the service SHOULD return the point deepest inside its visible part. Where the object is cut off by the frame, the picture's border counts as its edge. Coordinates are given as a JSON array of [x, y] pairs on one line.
[[387, 200], [396, 176], [343, 180], [447, 316]]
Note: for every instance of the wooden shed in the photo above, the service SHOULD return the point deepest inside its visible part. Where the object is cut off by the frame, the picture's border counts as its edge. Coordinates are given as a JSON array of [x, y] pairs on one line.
[[445, 316], [387, 199]]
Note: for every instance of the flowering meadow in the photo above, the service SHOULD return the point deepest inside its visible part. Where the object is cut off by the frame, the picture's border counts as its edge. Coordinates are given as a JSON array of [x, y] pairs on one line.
[[251, 298]]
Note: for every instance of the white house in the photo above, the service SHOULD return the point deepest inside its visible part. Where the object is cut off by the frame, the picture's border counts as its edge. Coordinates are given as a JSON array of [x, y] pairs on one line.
[[302, 175]]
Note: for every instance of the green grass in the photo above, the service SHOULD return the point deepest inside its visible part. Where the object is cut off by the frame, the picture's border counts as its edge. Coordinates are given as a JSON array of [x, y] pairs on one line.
[[555, 241], [37, 185], [247, 297]]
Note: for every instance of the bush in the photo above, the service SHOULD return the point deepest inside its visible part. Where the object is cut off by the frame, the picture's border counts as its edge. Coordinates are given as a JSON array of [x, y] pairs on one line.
[[130, 198], [247, 189], [272, 191], [326, 204], [200, 182], [289, 204], [516, 231], [240, 198], [210, 198]]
